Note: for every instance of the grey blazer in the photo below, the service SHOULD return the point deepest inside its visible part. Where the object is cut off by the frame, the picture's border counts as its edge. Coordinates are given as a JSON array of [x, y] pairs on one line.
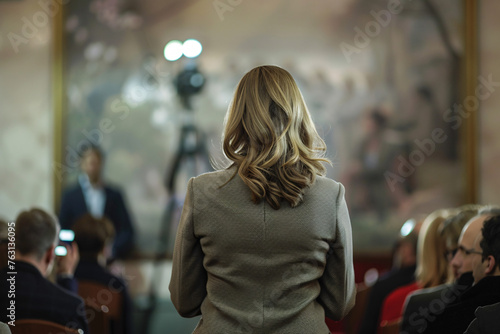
[[248, 268], [4, 329]]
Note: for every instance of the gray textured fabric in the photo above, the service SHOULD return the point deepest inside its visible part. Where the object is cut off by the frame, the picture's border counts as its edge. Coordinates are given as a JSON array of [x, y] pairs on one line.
[[247, 268], [4, 329]]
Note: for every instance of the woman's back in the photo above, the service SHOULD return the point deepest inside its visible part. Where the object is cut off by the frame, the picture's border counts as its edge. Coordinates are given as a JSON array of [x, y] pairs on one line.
[[248, 268], [265, 245]]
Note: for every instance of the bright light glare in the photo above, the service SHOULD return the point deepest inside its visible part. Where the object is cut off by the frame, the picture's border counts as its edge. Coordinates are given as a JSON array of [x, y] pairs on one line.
[[173, 50], [191, 48], [66, 235], [407, 227]]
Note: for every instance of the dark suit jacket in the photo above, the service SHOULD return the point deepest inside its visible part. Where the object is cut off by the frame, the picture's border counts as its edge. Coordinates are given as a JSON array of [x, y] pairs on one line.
[[421, 304], [486, 321], [247, 268], [68, 283], [91, 271], [456, 317], [73, 206], [37, 298]]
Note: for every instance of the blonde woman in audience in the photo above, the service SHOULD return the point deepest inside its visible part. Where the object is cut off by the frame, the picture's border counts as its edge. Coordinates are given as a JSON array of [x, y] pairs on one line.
[[264, 246], [432, 269]]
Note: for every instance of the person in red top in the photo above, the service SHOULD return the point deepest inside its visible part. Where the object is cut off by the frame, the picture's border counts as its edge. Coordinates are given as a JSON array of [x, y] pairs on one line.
[[432, 268]]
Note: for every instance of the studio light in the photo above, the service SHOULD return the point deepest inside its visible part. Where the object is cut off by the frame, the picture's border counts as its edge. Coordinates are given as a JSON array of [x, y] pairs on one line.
[[191, 48], [173, 50]]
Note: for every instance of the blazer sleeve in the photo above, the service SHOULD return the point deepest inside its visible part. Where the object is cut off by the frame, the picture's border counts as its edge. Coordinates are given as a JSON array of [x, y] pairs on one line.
[[189, 278], [337, 295]]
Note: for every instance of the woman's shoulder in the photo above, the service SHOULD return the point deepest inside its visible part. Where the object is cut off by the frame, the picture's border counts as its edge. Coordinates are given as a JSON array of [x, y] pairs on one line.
[[323, 182], [217, 177]]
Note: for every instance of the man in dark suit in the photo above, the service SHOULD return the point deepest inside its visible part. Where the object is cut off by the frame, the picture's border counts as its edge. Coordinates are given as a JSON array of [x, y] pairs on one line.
[[484, 256], [26, 293], [91, 195]]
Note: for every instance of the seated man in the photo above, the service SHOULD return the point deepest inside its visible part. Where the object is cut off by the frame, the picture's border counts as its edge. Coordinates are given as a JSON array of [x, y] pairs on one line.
[[484, 255], [94, 238], [23, 285], [92, 195]]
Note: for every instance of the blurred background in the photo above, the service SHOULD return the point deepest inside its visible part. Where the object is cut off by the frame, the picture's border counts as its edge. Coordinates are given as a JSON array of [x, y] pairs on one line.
[[385, 81]]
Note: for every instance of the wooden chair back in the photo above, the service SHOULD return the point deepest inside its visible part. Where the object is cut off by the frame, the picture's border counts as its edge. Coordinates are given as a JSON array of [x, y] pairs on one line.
[[352, 320], [103, 307], [37, 326]]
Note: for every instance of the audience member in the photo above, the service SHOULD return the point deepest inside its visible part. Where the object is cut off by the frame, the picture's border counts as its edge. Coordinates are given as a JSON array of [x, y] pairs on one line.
[[402, 273], [418, 303], [483, 254], [94, 237], [35, 296], [461, 261], [431, 266], [92, 195]]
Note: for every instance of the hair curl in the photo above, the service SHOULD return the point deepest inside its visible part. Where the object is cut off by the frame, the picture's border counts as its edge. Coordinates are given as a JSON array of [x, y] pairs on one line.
[[270, 137]]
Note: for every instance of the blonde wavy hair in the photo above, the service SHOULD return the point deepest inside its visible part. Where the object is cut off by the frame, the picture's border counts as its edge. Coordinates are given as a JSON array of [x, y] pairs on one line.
[[432, 267], [270, 137]]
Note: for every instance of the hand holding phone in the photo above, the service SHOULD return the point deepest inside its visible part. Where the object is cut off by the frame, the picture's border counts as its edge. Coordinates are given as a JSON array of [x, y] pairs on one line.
[[66, 264], [66, 237], [61, 251]]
